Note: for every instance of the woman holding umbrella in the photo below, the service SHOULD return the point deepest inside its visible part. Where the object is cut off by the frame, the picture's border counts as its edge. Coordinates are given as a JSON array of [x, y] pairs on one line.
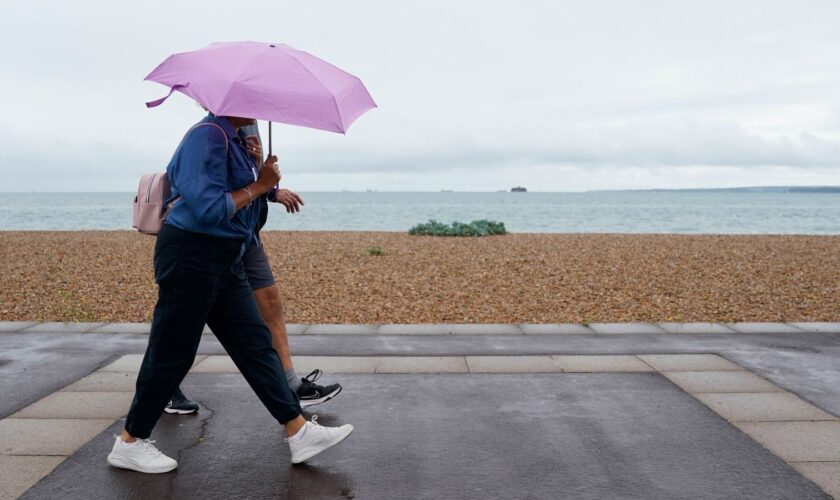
[[199, 273]]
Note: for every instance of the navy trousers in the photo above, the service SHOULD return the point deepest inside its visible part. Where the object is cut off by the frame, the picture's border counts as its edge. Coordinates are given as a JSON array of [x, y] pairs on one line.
[[201, 280]]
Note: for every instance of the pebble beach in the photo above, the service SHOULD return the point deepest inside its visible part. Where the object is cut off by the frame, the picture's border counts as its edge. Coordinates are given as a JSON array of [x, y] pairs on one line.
[[339, 277]]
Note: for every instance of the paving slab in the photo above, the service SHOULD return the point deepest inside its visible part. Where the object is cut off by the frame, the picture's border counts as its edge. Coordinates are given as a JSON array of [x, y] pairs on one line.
[[296, 328], [341, 329], [414, 329], [731, 381], [513, 364], [130, 363], [689, 362], [215, 364], [825, 474], [117, 328], [335, 364], [590, 363], [593, 436], [484, 329], [626, 328], [21, 472], [748, 327], [111, 405], [555, 329], [818, 327], [104, 382], [797, 441], [762, 407], [303, 364], [694, 328], [63, 327], [31, 436], [421, 364], [14, 326]]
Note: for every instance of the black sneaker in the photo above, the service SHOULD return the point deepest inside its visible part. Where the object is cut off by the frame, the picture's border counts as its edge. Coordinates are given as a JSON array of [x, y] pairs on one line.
[[180, 405], [311, 393]]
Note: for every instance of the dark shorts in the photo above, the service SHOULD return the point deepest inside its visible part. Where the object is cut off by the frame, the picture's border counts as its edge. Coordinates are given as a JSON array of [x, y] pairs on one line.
[[255, 262]]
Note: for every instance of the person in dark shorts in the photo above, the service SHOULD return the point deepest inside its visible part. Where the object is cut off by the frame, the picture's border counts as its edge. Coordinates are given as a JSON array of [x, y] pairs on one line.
[[270, 303]]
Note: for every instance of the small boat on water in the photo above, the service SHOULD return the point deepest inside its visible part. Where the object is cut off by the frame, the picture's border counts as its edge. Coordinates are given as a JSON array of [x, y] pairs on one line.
[[518, 189]]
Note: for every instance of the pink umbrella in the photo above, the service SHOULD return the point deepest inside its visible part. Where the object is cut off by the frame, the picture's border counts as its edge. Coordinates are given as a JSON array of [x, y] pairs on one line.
[[265, 81]]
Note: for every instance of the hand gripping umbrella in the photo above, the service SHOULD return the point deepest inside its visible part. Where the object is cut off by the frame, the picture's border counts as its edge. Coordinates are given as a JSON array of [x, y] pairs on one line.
[[265, 81]]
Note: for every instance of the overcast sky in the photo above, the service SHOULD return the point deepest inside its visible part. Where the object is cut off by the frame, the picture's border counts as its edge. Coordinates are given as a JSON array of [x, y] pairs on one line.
[[473, 95]]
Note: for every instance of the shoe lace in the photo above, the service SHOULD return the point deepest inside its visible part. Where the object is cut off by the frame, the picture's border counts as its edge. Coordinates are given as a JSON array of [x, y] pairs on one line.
[[146, 444], [313, 376], [149, 445]]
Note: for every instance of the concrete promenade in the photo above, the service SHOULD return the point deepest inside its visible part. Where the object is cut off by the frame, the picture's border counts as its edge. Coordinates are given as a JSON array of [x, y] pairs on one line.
[[632, 410]]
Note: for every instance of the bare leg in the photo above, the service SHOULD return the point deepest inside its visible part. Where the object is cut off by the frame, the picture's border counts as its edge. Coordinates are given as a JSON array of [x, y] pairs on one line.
[[270, 304]]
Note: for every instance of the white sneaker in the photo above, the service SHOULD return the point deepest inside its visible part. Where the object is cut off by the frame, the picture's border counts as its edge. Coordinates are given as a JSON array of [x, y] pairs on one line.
[[316, 439], [141, 456]]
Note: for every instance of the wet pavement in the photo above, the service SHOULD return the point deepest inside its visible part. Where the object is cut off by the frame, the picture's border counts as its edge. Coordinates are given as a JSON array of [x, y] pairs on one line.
[[464, 435], [451, 436]]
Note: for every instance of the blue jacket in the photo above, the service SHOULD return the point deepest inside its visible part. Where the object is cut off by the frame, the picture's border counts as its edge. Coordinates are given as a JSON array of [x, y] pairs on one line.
[[204, 176]]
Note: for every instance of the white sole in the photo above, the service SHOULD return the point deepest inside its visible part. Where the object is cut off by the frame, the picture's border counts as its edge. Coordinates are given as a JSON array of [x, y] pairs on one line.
[[179, 412], [306, 455], [127, 464], [313, 402]]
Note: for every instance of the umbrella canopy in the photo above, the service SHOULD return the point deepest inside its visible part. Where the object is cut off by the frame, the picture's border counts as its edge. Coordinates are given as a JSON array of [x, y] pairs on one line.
[[265, 81]]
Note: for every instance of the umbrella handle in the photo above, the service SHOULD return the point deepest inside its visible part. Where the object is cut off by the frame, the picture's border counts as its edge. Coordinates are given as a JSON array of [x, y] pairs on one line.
[[269, 138]]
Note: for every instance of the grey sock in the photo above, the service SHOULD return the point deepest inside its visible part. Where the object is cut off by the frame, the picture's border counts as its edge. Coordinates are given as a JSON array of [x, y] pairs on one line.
[[293, 379]]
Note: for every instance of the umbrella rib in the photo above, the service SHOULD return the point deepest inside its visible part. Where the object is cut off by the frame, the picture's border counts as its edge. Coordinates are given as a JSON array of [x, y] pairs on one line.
[[335, 103]]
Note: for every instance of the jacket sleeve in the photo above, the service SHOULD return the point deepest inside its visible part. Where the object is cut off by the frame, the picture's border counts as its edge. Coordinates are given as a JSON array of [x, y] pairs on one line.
[[203, 177]]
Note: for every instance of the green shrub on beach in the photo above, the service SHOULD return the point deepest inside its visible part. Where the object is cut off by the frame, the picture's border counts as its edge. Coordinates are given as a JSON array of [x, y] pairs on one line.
[[377, 250], [475, 228]]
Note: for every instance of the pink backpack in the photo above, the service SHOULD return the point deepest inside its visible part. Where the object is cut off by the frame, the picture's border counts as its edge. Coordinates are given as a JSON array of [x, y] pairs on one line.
[[149, 211]]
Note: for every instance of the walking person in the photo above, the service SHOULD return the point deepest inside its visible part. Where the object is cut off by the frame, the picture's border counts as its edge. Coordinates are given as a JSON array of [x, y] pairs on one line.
[[201, 279], [269, 300]]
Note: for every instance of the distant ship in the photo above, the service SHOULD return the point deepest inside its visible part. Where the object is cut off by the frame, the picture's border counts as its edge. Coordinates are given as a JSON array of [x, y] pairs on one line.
[[518, 189]]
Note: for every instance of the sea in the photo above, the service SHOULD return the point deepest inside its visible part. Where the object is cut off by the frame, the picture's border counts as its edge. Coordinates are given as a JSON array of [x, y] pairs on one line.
[[681, 212]]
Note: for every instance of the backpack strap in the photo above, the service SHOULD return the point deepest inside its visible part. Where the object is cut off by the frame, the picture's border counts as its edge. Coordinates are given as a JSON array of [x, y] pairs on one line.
[[171, 203], [224, 134]]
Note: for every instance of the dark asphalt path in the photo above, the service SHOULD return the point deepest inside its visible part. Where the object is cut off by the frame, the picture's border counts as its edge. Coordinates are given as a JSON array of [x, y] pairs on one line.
[[553, 436]]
